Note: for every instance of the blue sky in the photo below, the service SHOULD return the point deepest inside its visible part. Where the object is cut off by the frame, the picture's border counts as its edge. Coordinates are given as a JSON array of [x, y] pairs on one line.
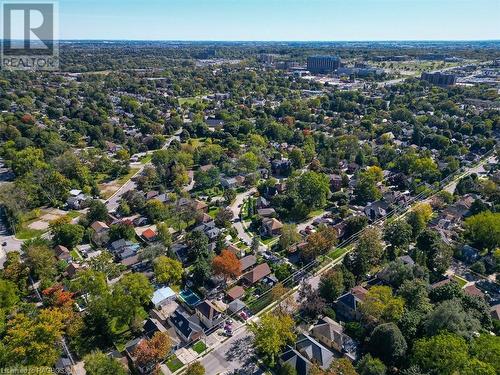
[[280, 19]]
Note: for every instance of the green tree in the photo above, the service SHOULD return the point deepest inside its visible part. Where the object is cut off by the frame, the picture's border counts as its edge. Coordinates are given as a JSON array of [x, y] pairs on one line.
[[164, 234], [8, 294], [450, 316], [477, 367], [483, 230], [443, 354], [248, 162], [368, 252], [34, 341], [398, 234], [121, 230], [486, 348], [313, 189], [98, 363], [434, 251], [287, 369], [167, 270], [289, 236], [16, 271], [97, 211], [68, 235], [297, 158], [195, 368], [331, 284], [387, 343], [369, 365], [366, 189], [137, 286], [27, 161], [381, 305], [156, 211], [271, 334], [40, 260], [419, 216]]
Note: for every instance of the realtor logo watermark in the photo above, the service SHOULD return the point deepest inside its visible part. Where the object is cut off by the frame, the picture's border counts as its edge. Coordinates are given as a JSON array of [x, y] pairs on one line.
[[29, 40]]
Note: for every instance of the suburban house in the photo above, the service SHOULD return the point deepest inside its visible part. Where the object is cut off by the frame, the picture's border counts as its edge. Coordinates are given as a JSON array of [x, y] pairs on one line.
[[152, 325], [236, 306], [247, 262], [149, 235], [271, 227], [266, 212], [347, 305], [281, 167], [62, 253], [200, 206], [100, 232], [331, 334], [235, 250], [257, 274], [235, 292], [162, 296], [297, 361], [130, 349], [469, 254], [261, 202], [314, 351], [185, 326], [376, 210], [76, 200], [335, 182], [229, 182], [208, 314]]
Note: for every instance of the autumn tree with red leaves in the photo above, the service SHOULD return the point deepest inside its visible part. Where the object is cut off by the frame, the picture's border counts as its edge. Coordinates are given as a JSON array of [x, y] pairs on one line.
[[149, 352], [227, 265]]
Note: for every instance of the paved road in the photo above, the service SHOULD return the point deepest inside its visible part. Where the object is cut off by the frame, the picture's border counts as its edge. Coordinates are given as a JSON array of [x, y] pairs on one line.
[[235, 208], [477, 169], [113, 201], [234, 356]]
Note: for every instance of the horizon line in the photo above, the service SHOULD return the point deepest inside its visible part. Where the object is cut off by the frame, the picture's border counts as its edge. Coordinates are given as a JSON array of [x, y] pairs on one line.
[[277, 40]]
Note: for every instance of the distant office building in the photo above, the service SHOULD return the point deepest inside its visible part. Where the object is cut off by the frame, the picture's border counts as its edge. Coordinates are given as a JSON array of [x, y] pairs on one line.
[[287, 65], [323, 64], [439, 79], [362, 70], [432, 57], [391, 58], [267, 58]]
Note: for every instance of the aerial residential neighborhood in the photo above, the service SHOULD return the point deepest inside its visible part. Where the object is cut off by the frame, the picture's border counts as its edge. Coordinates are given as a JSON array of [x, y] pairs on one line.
[[245, 207]]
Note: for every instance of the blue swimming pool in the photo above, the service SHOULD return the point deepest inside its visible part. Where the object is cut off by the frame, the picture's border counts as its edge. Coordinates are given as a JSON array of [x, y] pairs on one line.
[[189, 297]]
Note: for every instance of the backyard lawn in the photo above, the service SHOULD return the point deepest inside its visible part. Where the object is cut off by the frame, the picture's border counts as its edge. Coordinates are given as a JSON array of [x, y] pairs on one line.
[[460, 280]]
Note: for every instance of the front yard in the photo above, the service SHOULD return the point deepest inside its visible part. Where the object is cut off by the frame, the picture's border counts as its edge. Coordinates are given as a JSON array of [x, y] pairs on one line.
[[199, 347], [174, 364]]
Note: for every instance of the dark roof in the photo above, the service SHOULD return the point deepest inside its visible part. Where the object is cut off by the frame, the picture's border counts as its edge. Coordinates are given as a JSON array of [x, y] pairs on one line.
[[152, 326], [236, 306], [297, 361], [314, 351], [186, 326], [207, 310]]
